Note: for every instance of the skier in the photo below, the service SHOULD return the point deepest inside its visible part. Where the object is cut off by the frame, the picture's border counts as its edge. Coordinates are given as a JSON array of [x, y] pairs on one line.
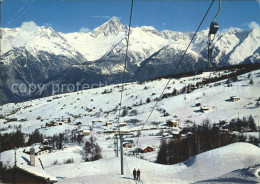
[[134, 173], [138, 174]]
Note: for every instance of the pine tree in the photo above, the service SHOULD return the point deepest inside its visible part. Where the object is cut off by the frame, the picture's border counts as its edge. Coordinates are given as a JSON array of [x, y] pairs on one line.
[[251, 122], [162, 154], [251, 82]]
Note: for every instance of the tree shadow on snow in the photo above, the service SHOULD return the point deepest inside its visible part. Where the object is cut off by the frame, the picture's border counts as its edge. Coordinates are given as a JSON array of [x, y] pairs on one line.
[[227, 180], [190, 162], [197, 111], [228, 100]]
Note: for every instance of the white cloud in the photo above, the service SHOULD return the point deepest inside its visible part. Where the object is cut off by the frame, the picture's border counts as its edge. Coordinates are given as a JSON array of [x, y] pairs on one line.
[[29, 26], [102, 17], [253, 25], [84, 30]]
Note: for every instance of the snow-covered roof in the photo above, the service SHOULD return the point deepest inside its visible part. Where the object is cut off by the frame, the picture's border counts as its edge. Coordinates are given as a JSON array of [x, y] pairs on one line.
[[86, 131], [37, 171], [204, 107], [234, 97], [36, 148], [145, 146]]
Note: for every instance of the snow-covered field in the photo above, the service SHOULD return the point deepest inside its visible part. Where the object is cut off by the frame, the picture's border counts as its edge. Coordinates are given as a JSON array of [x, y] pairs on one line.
[[208, 165], [94, 105]]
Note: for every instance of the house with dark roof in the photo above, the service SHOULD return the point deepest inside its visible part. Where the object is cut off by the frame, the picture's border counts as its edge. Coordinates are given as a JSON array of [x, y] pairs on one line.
[[26, 176]]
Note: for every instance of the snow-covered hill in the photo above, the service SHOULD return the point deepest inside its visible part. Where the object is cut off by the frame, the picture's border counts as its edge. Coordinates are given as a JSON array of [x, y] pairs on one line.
[[94, 107], [102, 103]]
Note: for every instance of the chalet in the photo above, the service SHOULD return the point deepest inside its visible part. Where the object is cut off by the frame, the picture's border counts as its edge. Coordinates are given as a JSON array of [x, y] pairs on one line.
[[87, 132], [145, 149], [64, 120], [52, 123], [109, 123], [84, 132], [27, 174], [39, 149], [127, 145], [204, 108], [191, 88], [176, 134], [172, 123], [234, 98], [165, 134], [122, 124]]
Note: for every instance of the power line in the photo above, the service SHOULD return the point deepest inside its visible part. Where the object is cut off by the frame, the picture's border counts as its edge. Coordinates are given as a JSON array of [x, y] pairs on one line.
[[126, 54], [177, 66]]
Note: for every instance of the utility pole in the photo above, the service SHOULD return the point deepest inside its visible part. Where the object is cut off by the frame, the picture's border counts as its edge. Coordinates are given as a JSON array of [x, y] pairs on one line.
[[121, 135], [258, 132], [15, 164], [122, 154], [116, 145]]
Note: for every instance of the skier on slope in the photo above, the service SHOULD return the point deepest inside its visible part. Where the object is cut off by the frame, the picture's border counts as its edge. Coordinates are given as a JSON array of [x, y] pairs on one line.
[[134, 173]]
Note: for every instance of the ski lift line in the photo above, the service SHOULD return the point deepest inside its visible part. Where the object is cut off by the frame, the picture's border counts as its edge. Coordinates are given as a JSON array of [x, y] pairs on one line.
[[176, 67], [126, 54], [212, 32]]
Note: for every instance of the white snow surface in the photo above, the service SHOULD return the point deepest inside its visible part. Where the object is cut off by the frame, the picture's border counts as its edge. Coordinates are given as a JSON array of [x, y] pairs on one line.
[[207, 165], [211, 164]]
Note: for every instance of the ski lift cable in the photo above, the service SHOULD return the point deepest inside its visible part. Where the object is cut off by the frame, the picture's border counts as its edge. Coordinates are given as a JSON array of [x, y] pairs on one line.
[[177, 66], [211, 35], [218, 11], [126, 54]]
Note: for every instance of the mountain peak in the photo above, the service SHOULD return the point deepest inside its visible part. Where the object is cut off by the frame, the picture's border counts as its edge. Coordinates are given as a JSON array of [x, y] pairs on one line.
[[112, 26], [114, 20]]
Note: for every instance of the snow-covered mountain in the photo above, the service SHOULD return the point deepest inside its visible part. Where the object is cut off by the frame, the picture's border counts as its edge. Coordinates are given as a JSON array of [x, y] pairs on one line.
[[41, 55]]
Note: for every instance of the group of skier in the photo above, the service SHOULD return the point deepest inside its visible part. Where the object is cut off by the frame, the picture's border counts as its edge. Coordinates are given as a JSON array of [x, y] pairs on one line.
[[136, 174]]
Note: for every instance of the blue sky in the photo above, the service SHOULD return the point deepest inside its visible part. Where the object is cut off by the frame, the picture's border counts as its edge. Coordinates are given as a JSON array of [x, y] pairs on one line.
[[74, 15]]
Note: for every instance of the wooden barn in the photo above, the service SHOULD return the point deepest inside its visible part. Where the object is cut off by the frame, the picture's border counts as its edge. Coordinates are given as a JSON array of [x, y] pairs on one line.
[[122, 124], [204, 108], [234, 98], [172, 123], [109, 123], [127, 145], [145, 149]]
